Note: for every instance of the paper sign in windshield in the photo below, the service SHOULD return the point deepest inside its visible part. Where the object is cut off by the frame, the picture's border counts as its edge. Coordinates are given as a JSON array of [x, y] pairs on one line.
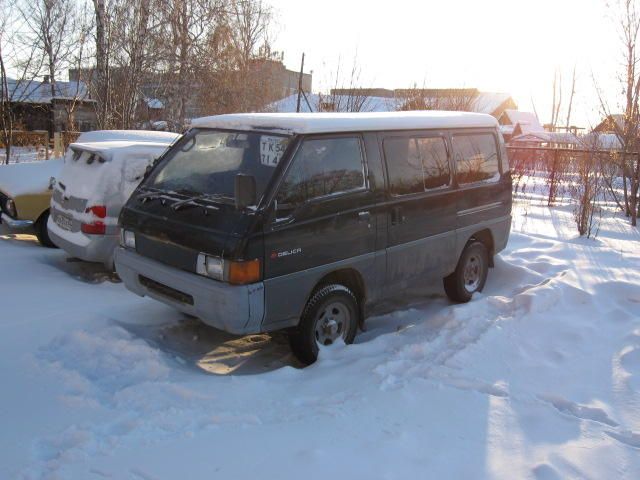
[[271, 150]]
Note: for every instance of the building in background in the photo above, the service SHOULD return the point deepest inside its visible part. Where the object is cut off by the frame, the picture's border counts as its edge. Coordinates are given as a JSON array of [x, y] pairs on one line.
[[68, 108]]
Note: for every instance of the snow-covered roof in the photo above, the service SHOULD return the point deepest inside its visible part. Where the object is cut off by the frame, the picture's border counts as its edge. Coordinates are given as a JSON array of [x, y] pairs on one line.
[[370, 104], [127, 135], [110, 144], [109, 150], [604, 141], [547, 137], [40, 92], [155, 103], [528, 121], [304, 123], [484, 102], [507, 129], [489, 102]]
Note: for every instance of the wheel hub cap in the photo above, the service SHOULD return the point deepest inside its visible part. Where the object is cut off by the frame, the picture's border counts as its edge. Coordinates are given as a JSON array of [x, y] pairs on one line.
[[472, 273], [332, 323]]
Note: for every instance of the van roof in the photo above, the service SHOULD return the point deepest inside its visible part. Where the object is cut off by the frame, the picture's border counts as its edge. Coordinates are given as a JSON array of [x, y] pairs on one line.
[[304, 123]]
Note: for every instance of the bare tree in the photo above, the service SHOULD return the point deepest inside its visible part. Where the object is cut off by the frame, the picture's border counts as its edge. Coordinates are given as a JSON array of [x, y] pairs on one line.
[[183, 33], [452, 99], [628, 22], [586, 189], [51, 27], [346, 93], [79, 89], [131, 32], [22, 59]]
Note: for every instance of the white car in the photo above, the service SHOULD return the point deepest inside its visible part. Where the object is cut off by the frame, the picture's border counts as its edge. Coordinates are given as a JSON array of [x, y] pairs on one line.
[[98, 176]]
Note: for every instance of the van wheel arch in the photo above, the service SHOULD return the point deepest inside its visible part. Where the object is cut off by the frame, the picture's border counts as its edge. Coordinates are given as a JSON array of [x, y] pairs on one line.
[[350, 278], [486, 237]]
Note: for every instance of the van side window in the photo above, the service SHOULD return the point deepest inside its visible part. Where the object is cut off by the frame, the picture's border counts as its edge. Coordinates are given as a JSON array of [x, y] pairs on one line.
[[476, 158], [416, 164], [323, 167]]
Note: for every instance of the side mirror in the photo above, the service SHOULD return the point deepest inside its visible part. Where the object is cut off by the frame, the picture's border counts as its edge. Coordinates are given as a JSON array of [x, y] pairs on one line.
[[245, 191]]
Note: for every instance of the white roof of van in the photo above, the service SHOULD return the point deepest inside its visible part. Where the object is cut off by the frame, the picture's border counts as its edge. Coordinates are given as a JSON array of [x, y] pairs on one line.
[[304, 123]]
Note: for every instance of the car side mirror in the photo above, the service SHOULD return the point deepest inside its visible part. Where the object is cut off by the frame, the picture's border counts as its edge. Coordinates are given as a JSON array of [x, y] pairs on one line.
[[245, 191]]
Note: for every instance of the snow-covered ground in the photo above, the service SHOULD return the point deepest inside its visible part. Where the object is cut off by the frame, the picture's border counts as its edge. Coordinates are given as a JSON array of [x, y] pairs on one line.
[[23, 155], [538, 377]]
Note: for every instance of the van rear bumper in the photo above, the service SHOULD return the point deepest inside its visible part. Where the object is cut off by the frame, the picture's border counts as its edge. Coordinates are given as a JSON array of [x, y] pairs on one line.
[[234, 309]]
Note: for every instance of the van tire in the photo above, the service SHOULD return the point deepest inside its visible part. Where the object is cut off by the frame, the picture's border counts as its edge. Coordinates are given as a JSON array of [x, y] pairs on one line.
[[42, 232], [474, 262], [304, 338]]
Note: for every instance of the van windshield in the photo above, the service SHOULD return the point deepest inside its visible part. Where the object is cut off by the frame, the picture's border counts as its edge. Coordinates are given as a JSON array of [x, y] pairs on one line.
[[207, 162]]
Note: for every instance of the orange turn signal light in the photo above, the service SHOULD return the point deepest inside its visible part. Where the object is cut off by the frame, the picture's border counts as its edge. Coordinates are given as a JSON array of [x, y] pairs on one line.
[[243, 273]]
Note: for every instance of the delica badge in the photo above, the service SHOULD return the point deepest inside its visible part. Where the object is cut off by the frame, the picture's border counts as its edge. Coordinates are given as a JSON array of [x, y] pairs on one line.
[[271, 150]]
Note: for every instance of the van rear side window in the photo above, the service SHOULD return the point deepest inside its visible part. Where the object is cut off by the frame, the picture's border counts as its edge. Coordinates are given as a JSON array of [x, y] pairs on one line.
[[476, 158], [416, 164]]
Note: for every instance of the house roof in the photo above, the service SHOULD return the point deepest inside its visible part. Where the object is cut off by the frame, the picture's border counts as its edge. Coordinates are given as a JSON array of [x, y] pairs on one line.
[[528, 121], [546, 137], [304, 123], [607, 124], [40, 92]]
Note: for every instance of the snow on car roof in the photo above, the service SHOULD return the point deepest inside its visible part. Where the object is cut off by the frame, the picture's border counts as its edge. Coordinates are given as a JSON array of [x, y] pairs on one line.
[[30, 178], [127, 135], [304, 123], [120, 148]]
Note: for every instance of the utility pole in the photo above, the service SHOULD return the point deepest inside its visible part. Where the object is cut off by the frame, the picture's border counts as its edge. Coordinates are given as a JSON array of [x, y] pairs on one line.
[[300, 84]]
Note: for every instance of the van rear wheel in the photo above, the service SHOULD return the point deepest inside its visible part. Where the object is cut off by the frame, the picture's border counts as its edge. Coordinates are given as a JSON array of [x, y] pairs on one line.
[[42, 232], [330, 315], [470, 274]]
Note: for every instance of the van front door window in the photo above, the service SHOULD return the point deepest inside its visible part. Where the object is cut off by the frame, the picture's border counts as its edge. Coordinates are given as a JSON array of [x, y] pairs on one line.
[[323, 167]]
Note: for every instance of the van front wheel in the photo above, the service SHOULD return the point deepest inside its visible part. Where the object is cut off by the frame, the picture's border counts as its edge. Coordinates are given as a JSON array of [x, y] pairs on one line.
[[470, 274], [330, 315]]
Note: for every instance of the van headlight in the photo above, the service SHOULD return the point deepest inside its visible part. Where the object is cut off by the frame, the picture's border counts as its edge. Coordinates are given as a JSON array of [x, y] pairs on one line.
[[10, 207], [128, 239], [210, 266]]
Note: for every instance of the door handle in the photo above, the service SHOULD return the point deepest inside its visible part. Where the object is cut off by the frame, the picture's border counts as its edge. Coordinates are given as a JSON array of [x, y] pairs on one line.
[[364, 216]]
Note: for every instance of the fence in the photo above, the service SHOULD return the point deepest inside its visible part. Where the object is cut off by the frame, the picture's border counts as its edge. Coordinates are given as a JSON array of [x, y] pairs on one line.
[[40, 139], [561, 166]]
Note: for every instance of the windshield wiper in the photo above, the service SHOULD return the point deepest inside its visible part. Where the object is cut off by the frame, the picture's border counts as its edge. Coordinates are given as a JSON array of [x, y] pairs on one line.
[[193, 201], [152, 195]]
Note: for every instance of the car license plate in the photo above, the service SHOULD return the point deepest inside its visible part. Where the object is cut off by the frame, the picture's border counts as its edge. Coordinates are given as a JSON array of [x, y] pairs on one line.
[[64, 222]]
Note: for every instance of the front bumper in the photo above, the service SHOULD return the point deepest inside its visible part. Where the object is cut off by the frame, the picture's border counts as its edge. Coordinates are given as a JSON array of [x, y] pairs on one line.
[[234, 309], [17, 224]]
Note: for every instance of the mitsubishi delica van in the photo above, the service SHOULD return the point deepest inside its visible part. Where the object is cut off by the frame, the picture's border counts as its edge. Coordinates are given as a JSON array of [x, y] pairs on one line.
[[313, 222]]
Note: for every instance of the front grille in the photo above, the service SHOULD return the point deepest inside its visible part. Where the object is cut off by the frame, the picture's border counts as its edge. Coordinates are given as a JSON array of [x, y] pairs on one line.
[[165, 290], [167, 253]]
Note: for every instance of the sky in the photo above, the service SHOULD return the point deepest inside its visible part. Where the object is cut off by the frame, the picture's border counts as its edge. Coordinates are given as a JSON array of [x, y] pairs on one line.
[[493, 45]]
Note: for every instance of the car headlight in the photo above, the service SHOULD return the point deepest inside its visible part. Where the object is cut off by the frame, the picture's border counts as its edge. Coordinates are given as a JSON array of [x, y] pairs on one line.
[[10, 207], [128, 239], [210, 266]]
